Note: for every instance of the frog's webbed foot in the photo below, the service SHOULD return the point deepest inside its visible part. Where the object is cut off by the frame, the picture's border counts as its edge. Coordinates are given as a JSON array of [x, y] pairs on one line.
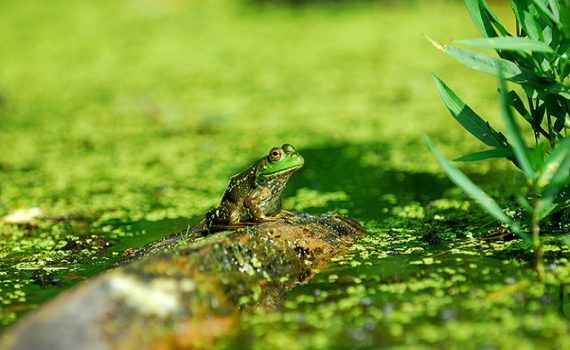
[[265, 218], [284, 213], [227, 227], [237, 225]]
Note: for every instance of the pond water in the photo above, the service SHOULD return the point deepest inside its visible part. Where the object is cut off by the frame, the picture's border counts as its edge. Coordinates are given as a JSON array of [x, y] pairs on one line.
[[395, 290], [423, 276], [122, 129]]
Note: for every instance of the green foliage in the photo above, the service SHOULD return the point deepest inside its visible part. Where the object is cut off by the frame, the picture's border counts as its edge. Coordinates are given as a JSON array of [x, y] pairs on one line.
[[471, 189], [508, 43], [536, 57], [469, 119]]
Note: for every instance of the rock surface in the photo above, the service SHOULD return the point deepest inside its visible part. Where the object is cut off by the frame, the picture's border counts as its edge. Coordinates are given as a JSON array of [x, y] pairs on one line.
[[185, 292]]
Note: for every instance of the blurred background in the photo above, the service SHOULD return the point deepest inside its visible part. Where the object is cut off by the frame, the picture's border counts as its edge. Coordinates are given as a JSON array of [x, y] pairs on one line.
[[104, 102], [139, 111]]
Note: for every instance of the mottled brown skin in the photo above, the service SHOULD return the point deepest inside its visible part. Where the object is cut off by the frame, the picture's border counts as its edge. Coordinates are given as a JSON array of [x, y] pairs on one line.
[[254, 195]]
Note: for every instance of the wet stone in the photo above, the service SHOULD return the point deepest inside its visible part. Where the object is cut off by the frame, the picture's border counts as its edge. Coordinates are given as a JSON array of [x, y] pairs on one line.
[[187, 290]]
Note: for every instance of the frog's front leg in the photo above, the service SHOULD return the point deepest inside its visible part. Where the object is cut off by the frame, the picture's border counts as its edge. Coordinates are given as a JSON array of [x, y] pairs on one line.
[[253, 204]]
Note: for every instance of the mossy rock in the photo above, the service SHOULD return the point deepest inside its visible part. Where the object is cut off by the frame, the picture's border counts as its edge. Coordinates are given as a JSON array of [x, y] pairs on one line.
[[186, 292]]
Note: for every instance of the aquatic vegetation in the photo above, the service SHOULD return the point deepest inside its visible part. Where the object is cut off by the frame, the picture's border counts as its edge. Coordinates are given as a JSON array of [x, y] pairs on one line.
[[408, 293], [536, 58], [130, 126]]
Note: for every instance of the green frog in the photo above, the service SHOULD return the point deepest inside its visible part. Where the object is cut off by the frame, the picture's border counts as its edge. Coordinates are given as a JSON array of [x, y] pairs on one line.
[[254, 195]]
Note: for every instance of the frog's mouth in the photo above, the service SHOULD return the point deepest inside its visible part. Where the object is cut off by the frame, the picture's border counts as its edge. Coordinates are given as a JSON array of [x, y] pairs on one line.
[[284, 171]]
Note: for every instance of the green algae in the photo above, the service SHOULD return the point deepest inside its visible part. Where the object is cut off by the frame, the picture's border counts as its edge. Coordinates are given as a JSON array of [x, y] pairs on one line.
[[130, 125], [413, 295], [43, 259]]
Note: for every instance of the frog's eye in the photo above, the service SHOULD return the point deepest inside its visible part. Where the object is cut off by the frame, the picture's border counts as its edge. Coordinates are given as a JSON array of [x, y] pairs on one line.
[[288, 148], [275, 154]]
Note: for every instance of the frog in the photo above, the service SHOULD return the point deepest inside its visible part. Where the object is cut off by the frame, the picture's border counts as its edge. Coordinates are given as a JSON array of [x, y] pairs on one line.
[[254, 195]]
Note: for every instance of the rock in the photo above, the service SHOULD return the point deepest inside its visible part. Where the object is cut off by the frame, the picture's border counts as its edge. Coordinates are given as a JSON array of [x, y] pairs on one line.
[[186, 292]]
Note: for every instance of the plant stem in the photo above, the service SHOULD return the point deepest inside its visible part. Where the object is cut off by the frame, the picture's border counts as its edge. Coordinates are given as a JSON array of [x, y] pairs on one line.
[[537, 246], [552, 136]]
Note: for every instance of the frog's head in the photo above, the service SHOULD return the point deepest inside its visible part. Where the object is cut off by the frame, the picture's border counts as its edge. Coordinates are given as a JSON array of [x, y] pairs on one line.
[[280, 161]]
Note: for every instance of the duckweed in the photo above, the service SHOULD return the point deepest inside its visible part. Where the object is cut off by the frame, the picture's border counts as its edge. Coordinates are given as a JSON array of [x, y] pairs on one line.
[[123, 129]]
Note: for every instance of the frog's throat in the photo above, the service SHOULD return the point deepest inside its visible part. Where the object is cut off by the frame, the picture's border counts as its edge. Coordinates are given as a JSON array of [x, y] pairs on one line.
[[263, 180]]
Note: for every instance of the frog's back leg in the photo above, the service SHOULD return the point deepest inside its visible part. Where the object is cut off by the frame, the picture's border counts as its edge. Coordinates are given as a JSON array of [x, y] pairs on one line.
[[222, 215], [255, 204]]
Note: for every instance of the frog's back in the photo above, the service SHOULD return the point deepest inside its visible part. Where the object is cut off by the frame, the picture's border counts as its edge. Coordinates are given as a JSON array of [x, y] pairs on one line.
[[239, 187], [229, 210]]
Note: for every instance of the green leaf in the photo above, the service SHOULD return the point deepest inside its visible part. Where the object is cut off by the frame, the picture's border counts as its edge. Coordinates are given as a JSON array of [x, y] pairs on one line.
[[534, 119], [528, 19], [524, 202], [480, 18], [545, 208], [492, 153], [471, 189], [565, 17], [519, 106], [542, 7], [518, 144], [508, 43], [511, 71], [556, 169], [484, 18], [559, 124], [468, 118], [562, 200], [480, 61], [556, 195], [493, 18]]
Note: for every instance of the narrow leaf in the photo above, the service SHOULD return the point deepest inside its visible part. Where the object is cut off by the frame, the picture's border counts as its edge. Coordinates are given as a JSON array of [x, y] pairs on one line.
[[543, 8], [480, 61], [468, 118], [559, 124], [552, 6], [492, 153], [493, 18], [471, 189], [546, 208], [562, 200], [527, 20], [557, 165], [524, 202], [565, 17], [484, 18], [513, 131], [508, 43], [511, 71], [480, 18], [519, 106]]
